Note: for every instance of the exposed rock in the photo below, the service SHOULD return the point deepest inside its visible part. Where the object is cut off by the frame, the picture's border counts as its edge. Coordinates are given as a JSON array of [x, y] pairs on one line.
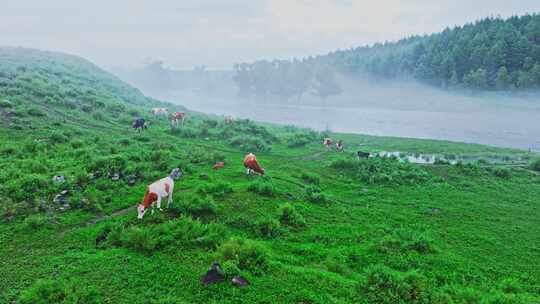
[[213, 275], [240, 281], [59, 179]]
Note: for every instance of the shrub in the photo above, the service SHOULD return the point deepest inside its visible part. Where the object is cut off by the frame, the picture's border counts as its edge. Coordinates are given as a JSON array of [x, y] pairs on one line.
[[218, 190], [268, 228], [248, 143], [536, 165], [262, 187], [44, 292], [406, 240], [36, 221], [300, 140], [199, 206], [230, 269], [58, 291], [36, 112], [139, 239], [58, 138], [384, 285], [98, 116], [245, 254], [311, 178], [76, 144], [289, 216], [382, 171], [502, 172], [314, 194]]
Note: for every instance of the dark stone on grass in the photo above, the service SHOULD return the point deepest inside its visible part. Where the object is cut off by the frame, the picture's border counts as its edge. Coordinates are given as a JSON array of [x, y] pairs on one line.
[[240, 281], [213, 275], [114, 176]]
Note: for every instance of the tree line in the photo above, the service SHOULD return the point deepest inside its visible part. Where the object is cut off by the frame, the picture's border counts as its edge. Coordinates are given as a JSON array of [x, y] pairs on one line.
[[490, 54]]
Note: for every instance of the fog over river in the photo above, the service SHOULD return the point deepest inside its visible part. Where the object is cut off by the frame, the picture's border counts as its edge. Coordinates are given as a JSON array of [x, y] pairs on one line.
[[394, 109]]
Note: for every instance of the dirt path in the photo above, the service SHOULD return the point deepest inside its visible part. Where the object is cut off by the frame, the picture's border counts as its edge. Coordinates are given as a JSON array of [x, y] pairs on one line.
[[98, 219]]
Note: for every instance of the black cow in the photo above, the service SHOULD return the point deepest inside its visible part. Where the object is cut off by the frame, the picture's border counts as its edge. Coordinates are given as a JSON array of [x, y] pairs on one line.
[[139, 124], [361, 154]]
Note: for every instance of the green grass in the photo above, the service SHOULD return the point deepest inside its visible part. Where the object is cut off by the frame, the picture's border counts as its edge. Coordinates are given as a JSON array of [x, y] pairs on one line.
[[320, 227]]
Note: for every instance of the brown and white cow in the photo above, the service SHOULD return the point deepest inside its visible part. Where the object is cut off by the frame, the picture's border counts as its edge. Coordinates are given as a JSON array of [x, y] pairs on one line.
[[159, 111], [157, 191], [327, 143], [252, 165], [177, 117]]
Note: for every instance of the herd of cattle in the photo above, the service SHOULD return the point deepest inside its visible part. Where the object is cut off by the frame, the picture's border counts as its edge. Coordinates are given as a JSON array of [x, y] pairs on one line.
[[164, 187]]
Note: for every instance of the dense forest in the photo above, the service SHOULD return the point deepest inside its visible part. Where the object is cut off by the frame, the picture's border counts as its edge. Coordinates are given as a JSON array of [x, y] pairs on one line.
[[490, 54]]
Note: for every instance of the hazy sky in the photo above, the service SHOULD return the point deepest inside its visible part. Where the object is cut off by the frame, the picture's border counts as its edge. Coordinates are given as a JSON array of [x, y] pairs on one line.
[[219, 33]]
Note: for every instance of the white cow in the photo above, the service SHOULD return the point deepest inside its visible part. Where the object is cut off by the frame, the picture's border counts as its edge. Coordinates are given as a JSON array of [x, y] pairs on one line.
[[157, 191], [159, 111]]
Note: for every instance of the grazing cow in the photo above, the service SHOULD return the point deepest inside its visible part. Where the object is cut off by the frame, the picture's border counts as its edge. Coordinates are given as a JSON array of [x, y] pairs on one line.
[[219, 165], [252, 165], [229, 120], [159, 111], [361, 154], [327, 142], [139, 124], [339, 145], [178, 117], [158, 190]]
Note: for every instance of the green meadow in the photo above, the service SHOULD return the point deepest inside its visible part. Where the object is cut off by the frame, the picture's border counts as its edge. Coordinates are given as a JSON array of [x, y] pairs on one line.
[[320, 227]]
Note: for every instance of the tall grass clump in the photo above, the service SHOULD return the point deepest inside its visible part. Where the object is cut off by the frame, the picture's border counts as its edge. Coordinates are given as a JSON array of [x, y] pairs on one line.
[[245, 254], [262, 187], [289, 216]]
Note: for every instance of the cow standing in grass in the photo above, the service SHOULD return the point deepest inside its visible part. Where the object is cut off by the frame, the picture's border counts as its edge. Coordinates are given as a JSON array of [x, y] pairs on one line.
[[178, 117], [139, 124], [157, 191], [252, 165], [327, 142]]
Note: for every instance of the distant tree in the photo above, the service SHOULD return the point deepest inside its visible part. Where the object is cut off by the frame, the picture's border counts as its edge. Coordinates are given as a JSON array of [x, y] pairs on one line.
[[476, 79], [503, 80], [325, 84]]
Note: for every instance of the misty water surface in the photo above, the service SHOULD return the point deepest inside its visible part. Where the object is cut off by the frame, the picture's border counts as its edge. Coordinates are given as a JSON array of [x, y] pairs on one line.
[[394, 109]]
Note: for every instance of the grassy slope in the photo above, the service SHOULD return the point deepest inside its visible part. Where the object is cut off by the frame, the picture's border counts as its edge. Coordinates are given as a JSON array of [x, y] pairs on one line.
[[481, 245]]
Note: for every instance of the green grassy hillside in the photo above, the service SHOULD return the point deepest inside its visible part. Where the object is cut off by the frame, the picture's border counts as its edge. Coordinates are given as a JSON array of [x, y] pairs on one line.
[[320, 227]]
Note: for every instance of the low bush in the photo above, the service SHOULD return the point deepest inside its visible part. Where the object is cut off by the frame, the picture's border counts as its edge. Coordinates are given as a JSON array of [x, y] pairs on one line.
[[219, 189], [36, 221], [536, 165], [311, 178], [268, 228], [384, 285], [58, 291], [262, 187], [403, 240], [300, 140], [502, 172], [35, 112], [199, 206], [314, 194], [58, 138], [249, 144], [289, 216], [381, 170], [245, 254]]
